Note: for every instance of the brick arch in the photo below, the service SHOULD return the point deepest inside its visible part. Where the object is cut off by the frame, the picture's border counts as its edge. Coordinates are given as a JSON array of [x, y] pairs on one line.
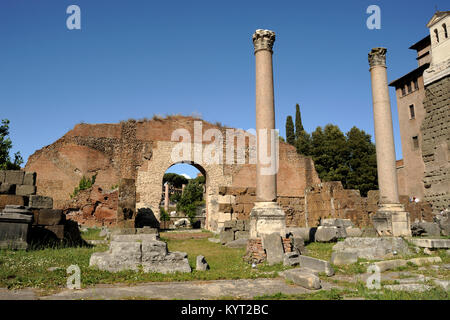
[[149, 179]]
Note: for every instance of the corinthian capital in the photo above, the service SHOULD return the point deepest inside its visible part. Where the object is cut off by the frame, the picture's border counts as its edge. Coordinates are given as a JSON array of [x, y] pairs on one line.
[[377, 57], [263, 40]]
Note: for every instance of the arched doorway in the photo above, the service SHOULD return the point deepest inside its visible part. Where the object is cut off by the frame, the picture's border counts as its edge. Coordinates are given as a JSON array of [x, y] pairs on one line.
[[183, 196], [150, 176]]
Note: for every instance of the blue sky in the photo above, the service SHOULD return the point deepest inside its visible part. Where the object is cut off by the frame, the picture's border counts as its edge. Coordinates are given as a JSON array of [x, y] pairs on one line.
[[133, 59]]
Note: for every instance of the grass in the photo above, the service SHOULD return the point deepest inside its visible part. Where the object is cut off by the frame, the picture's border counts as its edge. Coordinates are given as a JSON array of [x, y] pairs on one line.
[[21, 269], [320, 250], [359, 290], [92, 234]]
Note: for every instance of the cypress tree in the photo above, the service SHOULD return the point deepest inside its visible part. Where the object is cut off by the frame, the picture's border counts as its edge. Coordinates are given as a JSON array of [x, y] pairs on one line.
[[298, 122], [290, 134]]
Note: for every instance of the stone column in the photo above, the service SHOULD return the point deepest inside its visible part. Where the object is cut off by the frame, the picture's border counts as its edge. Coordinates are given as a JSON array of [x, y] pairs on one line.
[[391, 218], [182, 188], [166, 197], [266, 184], [266, 216]]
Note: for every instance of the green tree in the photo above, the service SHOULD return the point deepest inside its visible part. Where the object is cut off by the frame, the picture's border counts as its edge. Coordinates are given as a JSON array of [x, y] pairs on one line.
[[174, 179], [200, 179], [298, 122], [192, 197], [330, 153], [362, 162], [302, 138], [5, 147], [303, 143], [290, 134]]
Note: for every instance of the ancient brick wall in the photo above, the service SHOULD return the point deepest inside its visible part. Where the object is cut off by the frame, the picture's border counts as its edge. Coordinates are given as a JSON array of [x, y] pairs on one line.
[[420, 211], [236, 203], [93, 207], [321, 201], [436, 144], [142, 150], [331, 200]]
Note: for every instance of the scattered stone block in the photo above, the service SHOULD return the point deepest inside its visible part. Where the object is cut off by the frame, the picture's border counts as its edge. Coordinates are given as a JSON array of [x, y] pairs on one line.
[[340, 224], [134, 237], [172, 262], [50, 217], [424, 228], [14, 227], [326, 234], [373, 248], [302, 278], [201, 264], [41, 202], [316, 264], [151, 254], [291, 259], [431, 243], [226, 236], [298, 245], [390, 264], [29, 178], [353, 232], [343, 258], [241, 235], [153, 250], [9, 199], [239, 243], [214, 240], [444, 284], [14, 176], [146, 230], [307, 234], [7, 188], [408, 287], [123, 231], [423, 261], [274, 248], [25, 190]]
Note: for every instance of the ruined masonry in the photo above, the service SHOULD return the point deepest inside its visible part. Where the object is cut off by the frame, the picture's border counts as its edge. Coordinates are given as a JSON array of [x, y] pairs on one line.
[[131, 249]]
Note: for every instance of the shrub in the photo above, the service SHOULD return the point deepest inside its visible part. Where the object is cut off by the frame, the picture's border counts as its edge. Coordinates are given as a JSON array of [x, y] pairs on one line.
[[85, 183]]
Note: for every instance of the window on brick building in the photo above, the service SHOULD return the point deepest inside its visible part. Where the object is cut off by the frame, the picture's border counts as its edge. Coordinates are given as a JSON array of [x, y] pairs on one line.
[[412, 114], [436, 33], [403, 91], [409, 88], [444, 26], [415, 140], [416, 84]]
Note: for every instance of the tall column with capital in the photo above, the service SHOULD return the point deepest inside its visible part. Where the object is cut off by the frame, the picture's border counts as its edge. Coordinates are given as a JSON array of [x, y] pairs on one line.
[[266, 182], [390, 211], [266, 216]]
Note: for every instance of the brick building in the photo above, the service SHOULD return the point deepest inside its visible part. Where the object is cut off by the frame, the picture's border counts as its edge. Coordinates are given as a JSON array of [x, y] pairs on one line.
[[424, 117]]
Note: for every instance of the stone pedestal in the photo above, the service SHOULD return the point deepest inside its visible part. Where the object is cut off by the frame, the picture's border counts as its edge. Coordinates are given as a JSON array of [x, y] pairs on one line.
[[266, 218], [392, 220], [15, 223]]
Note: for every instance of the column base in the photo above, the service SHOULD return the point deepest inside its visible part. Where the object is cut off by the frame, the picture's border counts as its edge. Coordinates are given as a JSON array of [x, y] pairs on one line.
[[391, 219], [266, 218]]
